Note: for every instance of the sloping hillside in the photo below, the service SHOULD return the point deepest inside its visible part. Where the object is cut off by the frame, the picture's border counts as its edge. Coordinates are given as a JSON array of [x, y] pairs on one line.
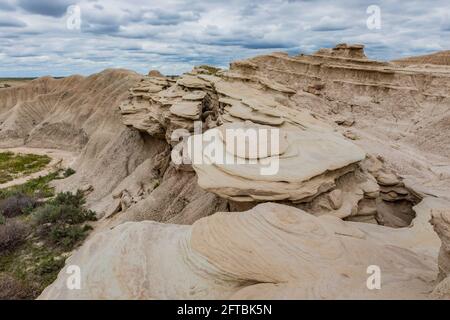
[[438, 58]]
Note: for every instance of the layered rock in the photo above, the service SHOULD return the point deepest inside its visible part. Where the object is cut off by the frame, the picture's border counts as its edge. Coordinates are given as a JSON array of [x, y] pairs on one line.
[[306, 163], [350, 142], [320, 168], [441, 222], [315, 154], [389, 101], [270, 252]]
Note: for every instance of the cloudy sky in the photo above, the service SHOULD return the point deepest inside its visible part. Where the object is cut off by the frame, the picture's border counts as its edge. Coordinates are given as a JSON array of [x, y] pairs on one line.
[[40, 37]]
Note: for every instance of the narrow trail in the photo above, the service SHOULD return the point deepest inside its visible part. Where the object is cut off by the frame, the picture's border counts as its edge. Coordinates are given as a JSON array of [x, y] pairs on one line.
[[60, 159]]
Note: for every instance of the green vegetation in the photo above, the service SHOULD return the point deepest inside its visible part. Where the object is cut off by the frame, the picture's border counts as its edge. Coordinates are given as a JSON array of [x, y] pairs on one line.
[[16, 79], [68, 172], [34, 242], [38, 187], [16, 165], [28, 270], [64, 217]]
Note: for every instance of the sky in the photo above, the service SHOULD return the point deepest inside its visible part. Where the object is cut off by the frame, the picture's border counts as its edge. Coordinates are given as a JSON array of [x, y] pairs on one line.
[[63, 37]]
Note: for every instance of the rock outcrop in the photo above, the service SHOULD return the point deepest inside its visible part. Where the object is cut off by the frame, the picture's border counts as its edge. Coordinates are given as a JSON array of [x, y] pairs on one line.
[[270, 252], [441, 222], [266, 92], [354, 164]]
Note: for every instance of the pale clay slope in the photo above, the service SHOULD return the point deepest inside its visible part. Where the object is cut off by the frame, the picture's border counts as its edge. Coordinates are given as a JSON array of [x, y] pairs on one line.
[[387, 123]]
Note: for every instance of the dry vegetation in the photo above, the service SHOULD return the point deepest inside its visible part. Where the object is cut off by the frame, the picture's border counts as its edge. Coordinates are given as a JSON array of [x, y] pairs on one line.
[[37, 231]]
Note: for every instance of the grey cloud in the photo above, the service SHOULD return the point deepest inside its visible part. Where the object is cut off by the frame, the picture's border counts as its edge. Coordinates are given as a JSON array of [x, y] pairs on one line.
[[7, 5], [100, 28], [22, 55], [9, 21], [166, 17], [331, 24], [250, 43], [51, 8]]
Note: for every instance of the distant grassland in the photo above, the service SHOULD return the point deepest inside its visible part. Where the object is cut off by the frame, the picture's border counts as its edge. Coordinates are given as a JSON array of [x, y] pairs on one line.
[[16, 165], [16, 79]]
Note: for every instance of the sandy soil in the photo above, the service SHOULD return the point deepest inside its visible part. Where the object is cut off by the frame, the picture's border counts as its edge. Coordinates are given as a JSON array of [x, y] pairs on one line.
[[60, 159]]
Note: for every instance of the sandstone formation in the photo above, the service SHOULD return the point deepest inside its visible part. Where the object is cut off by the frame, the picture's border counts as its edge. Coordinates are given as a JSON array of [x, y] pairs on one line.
[[362, 165], [244, 97], [441, 223], [270, 252]]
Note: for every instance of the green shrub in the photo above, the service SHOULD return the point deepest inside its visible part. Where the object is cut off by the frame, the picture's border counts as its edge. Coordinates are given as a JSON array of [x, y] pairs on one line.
[[67, 236], [2, 219], [49, 265], [68, 172], [67, 198], [61, 219], [62, 213], [66, 208]]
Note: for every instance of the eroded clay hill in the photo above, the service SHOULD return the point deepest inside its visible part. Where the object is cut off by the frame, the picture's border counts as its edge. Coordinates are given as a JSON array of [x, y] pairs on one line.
[[77, 114], [363, 168], [438, 58]]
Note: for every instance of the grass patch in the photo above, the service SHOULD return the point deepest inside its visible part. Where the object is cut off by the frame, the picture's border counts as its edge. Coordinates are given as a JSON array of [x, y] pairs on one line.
[[17, 79], [38, 187], [15, 165]]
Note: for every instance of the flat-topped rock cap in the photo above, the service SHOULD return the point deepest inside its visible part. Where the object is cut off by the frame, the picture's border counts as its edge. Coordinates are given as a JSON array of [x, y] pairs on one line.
[[155, 73], [249, 140], [306, 162]]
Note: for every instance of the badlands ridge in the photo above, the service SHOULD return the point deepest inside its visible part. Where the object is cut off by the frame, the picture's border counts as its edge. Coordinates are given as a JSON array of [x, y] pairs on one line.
[[363, 179]]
